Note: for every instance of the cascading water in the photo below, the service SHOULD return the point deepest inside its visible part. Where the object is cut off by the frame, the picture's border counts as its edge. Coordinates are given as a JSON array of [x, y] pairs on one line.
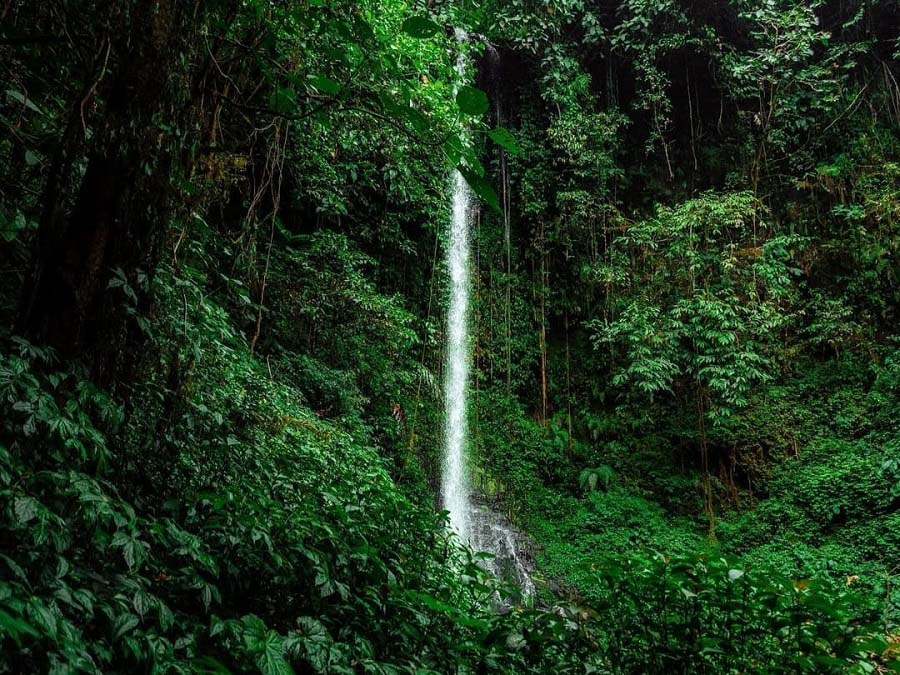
[[477, 525], [455, 487]]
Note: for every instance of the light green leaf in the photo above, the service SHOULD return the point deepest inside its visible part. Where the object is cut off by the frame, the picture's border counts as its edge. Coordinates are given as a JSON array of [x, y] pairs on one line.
[[25, 509], [326, 85]]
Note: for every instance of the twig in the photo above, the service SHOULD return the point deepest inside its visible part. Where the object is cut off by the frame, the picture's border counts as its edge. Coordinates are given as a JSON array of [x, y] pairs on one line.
[[93, 88]]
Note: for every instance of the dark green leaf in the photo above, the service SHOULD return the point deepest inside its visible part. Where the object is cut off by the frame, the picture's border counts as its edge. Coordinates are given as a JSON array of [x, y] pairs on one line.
[[472, 101], [420, 27], [15, 627], [481, 187], [283, 100], [505, 140], [325, 84]]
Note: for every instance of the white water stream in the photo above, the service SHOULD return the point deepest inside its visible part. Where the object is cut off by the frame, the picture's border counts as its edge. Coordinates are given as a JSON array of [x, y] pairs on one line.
[[455, 484], [476, 524]]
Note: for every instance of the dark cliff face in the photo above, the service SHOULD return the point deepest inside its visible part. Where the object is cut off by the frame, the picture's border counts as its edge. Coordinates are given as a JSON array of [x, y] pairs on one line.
[[503, 71]]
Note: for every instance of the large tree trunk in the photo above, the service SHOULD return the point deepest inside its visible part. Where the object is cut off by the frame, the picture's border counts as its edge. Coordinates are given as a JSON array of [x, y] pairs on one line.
[[122, 200]]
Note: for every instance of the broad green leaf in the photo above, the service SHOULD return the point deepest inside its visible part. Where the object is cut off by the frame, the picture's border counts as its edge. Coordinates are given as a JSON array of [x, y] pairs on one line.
[[15, 567], [19, 97], [25, 509], [471, 100], [312, 629], [481, 187], [404, 113], [453, 149], [271, 657], [326, 85], [505, 140], [15, 627], [124, 624], [420, 27], [141, 603]]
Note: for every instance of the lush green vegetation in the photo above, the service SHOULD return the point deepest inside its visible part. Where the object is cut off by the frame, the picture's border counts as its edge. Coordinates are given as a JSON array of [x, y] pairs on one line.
[[221, 334]]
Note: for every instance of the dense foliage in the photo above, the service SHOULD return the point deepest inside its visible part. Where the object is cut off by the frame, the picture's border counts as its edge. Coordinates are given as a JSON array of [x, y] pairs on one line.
[[221, 334]]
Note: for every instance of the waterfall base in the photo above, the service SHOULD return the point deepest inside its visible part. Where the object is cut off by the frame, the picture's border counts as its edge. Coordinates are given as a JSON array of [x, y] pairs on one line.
[[492, 532]]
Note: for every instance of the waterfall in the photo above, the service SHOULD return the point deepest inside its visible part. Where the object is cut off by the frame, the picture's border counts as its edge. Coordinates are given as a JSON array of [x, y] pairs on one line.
[[476, 524], [455, 486]]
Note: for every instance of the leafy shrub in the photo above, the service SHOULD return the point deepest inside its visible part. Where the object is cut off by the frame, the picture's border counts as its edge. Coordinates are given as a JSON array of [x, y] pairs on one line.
[[711, 613]]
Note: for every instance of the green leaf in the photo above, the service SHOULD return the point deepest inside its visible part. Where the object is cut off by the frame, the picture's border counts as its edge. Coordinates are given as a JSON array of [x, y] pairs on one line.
[[404, 113], [166, 617], [471, 100], [15, 627], [420, 27], [283, 100], [271, 659], [124, 624], [312, 629], [25, 509], [326, 85], [141, 603], [19, 97], [505, 140], [481, 187], [9, 230], [16, 568], [453, 149], [266, 645]]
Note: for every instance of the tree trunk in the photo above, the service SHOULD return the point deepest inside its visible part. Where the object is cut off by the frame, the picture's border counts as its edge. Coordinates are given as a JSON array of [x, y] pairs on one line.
[[122, 200], [543, 335]]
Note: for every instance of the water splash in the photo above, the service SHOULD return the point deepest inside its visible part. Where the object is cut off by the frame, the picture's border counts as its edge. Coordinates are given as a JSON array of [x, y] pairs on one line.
[[512, 561]]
